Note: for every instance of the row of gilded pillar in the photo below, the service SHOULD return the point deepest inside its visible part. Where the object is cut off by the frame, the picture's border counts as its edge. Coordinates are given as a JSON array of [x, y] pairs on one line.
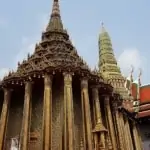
[[100, 138], [68, 127]]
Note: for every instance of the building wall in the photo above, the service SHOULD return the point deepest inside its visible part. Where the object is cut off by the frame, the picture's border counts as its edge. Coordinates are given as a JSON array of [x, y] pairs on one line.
[[145, 131]]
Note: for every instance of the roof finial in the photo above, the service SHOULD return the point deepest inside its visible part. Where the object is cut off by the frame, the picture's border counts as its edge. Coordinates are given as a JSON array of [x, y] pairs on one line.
[[55, 22], [131, 80], [139, 77], [102, 28], [131, 73]]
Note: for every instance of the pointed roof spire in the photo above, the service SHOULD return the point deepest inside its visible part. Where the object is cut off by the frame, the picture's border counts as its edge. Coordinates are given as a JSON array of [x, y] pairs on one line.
[[103, 33], [138, 80], [139, 77], [139, 85], [107, 60], [103, 30], [131, 80], [55, 9], [108, 64], [131, 73], [55, 22]]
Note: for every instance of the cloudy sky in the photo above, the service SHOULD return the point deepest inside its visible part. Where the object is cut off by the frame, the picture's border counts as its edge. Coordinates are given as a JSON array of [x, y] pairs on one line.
[[128, 23]]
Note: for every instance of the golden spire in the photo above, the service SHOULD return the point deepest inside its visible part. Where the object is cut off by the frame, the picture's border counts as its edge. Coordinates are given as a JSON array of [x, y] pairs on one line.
[[55, 9], [55, 22], [107, 58]]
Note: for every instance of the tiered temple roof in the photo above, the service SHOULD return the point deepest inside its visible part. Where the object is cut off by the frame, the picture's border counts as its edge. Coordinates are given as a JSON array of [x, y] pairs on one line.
[[55, 53]]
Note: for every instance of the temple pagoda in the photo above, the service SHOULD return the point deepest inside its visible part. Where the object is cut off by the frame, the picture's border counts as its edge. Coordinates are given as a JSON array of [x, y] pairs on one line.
[[125, 106], [54, 101]]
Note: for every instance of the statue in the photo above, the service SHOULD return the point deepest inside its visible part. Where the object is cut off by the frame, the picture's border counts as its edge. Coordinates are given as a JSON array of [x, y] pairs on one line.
[[14, 144]]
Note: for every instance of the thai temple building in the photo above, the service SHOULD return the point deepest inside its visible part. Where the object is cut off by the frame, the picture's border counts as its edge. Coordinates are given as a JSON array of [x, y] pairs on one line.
[[142, 94], [144, 115], [54, 101]]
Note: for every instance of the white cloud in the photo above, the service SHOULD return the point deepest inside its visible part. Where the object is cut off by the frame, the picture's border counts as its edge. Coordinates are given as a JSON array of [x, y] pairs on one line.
[[130, 57]]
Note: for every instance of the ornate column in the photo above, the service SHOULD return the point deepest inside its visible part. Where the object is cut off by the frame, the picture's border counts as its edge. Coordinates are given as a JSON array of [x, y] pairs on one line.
[[99, 125], [47, 113], [68, 100], [25, 131], [110, 122], [84, 144], [128, 133], [4, 116], [118, 126], [65, 141], [123, 131], [87, 127], [136, 139]]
